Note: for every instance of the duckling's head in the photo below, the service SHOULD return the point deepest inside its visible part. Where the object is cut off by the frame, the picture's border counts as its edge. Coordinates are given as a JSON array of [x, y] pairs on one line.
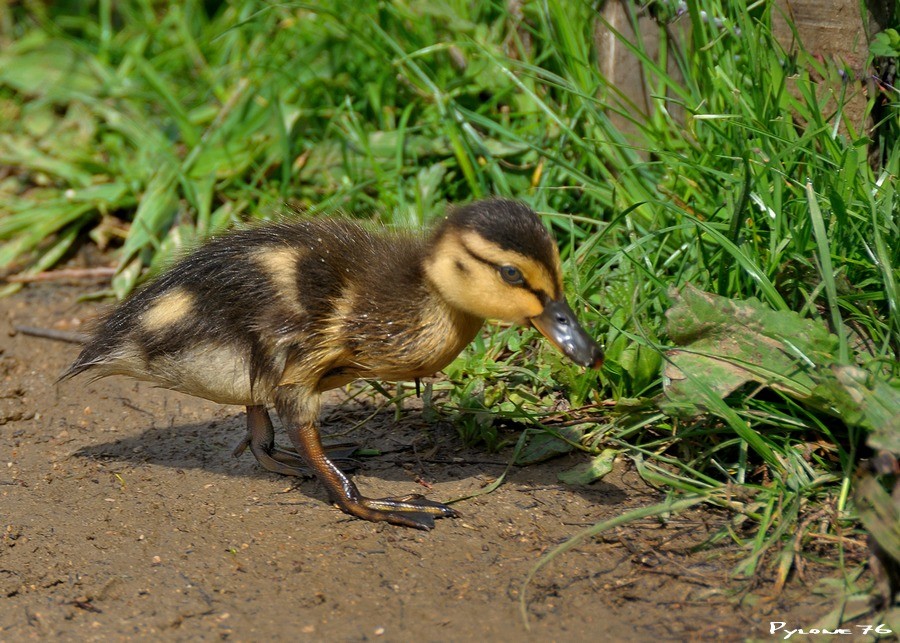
[[495, 259]]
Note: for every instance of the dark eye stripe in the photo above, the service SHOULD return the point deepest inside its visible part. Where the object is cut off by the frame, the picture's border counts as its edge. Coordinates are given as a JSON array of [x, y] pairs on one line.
[[486, 262], [541, 295]]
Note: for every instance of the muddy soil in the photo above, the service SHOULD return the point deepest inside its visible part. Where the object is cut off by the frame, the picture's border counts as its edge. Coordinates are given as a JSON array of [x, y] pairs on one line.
[[125, 516]]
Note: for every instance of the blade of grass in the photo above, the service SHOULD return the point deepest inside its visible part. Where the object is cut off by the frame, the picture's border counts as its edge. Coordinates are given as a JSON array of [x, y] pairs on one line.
[[827, 271], [670, 506]]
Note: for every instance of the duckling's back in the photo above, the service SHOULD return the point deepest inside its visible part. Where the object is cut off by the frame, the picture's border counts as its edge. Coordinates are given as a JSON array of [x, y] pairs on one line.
[[233, 319]]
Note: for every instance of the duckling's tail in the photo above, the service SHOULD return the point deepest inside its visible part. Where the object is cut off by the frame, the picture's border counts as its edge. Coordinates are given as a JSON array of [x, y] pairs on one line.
[[86, 359], [105, 356], [74, 369]]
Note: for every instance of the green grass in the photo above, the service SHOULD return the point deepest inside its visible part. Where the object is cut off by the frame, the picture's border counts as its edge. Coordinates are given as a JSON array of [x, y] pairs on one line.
[[746, 180]]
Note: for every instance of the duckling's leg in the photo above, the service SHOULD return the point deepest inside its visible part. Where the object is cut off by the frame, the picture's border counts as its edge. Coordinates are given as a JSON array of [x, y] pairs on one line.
[[298, 409], [261, 440]]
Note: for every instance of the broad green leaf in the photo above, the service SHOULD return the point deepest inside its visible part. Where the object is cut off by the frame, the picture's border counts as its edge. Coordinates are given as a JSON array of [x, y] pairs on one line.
[[861, 399], [590, 471], [724, 343], [544, 445], [886, 43]]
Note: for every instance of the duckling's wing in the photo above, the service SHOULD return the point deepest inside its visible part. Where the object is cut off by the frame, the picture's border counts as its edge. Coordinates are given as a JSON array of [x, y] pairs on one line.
[[229, 315]]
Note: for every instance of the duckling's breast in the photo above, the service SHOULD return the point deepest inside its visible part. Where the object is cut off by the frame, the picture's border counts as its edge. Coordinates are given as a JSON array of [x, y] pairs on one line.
[[377, 335], [435, 342]]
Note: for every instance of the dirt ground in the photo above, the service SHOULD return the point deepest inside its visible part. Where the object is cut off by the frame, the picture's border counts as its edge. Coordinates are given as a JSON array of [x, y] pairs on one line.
[[124, 516]]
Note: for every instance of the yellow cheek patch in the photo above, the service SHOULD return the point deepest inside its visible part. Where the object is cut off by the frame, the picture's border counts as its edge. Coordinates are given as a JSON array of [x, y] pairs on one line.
[[280, 264], [537, 275], [476, 287], [521, 304], [168, 310]]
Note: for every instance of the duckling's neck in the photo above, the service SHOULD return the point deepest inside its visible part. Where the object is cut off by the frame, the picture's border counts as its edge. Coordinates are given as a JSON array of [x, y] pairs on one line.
[[445, 331], [442, 330]]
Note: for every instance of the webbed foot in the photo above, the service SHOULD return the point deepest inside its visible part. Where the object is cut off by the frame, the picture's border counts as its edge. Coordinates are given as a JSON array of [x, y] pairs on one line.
[[413, 510], [285, 461], [298, 407]]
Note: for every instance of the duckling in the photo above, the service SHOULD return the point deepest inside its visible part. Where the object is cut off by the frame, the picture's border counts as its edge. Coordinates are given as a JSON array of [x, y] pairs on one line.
[[280, 313]]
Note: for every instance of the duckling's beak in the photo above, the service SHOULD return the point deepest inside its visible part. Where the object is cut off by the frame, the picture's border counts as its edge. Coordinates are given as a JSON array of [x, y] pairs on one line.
[[558, 324]]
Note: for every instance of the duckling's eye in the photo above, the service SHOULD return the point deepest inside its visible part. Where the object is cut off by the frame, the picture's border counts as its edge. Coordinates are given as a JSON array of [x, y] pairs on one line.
[[511, 275]]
